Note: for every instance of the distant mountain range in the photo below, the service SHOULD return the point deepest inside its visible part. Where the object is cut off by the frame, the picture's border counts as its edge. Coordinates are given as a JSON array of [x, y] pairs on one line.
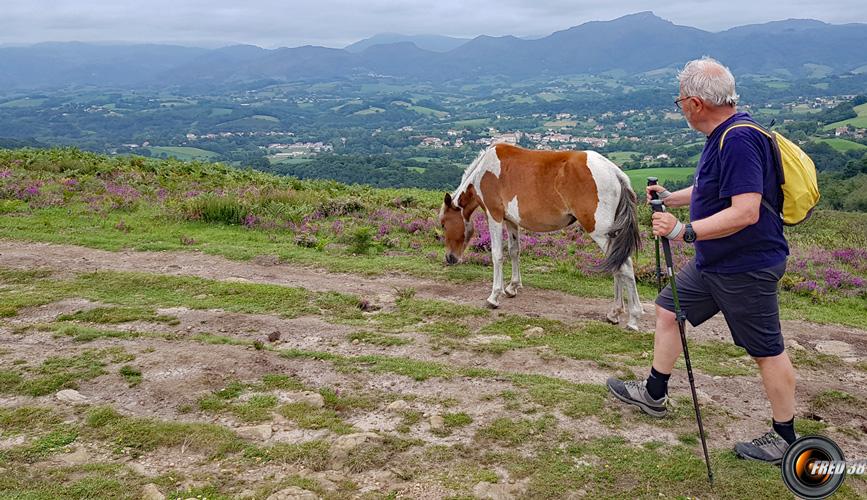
[[637, 43], [433, 43]]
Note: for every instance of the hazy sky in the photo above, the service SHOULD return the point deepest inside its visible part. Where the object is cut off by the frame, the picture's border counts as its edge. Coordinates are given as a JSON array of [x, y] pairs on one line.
[[336, 23]]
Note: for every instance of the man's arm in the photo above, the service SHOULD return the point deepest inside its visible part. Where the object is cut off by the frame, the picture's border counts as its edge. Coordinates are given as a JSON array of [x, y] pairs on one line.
[[676, 199], [679, 198], [745, 211]]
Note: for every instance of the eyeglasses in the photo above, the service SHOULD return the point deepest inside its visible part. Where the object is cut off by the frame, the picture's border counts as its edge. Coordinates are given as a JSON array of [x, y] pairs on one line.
[[680, 100]]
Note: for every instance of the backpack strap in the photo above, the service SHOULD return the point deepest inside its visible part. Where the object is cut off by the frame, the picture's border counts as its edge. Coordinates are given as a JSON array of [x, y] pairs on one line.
[[776, 151], [740, 124]]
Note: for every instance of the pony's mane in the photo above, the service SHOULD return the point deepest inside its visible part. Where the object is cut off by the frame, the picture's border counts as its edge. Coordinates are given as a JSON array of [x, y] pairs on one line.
[[468, 174]]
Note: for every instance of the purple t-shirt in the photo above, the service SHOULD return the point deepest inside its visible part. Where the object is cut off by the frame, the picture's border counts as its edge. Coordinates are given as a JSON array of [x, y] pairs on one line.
[[746, 164]]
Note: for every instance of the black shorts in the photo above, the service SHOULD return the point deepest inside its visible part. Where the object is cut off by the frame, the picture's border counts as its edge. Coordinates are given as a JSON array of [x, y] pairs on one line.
[[748, 301]]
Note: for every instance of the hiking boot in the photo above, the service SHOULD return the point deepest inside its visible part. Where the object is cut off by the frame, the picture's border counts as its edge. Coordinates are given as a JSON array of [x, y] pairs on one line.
[[635, 393], [768, 448]]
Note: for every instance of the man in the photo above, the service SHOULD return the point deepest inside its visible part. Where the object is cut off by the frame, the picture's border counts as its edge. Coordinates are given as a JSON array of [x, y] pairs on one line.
[[740, 255]]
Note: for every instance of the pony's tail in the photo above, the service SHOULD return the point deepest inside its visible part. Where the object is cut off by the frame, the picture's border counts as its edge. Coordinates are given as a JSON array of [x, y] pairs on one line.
[[624, 238]]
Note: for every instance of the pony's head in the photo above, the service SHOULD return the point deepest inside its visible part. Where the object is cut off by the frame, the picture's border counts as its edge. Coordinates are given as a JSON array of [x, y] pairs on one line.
[[455, 221]]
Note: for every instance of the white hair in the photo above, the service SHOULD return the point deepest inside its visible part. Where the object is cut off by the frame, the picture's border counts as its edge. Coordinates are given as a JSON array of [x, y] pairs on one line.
[[708, 79]]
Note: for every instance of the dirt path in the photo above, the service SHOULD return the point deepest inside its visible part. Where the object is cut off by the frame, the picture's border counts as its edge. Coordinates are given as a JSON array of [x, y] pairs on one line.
[[531, 302], [179, 370]]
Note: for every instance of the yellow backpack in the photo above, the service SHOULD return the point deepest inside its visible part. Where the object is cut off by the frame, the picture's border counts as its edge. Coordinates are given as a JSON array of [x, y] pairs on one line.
[[797, 176]]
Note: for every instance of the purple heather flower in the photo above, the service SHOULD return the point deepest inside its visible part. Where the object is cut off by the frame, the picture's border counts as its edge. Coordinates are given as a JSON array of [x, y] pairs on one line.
[[250, 221]]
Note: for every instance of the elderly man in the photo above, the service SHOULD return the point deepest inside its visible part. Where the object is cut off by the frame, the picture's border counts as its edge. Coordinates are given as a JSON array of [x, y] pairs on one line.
[[740, 255]]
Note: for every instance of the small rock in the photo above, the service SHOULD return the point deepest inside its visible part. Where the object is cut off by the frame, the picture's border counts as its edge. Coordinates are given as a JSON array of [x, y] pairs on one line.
[[12, 442], [492, 491], [703, 397], [151, 492], [354, 341], [437, 423], [140, 469], [71, 396], [834, 347], [536, 331], [77, 457], [246, 494], [298, 435], [274, 336], [341, 446], [311, 398], [795, 345], [399, 405], [255, 432], [293, 493]]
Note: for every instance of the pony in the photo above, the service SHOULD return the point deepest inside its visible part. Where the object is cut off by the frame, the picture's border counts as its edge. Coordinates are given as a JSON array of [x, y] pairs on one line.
[[544, 191]]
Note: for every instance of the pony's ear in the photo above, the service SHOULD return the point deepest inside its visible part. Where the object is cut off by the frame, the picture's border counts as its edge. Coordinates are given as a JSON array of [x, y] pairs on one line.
[[448, 200]]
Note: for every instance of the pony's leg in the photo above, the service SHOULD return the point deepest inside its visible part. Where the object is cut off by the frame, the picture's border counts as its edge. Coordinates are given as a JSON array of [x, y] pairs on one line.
[[627, 277], [496, 230], [613, 315], [514, 251]]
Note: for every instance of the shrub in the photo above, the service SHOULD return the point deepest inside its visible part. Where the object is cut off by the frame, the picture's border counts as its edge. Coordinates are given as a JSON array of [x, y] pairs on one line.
[[216, 209]]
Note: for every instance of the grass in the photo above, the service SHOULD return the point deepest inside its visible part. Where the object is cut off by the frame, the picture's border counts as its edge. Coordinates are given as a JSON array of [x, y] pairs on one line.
[[551, 462], [260, 405], [135, 435], [843, 145], [573, 399], [144, 290], [313, 455], [308, 417], [131, 374], [56, 373], [26, 418], [153, 231], [87, 334], [378, 339], [638, 177], [508, 432], [608, 345], [859, 121], [838, 400], [451, 421], [619, 157], [114, 315]]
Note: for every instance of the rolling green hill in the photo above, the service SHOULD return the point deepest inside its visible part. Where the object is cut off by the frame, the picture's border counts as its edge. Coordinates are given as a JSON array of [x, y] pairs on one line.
[[267, 323]]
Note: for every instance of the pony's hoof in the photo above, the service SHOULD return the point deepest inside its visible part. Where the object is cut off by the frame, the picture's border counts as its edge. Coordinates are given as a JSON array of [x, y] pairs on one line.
[[632, 327], [510, 292], [491, 304], [612, 318]]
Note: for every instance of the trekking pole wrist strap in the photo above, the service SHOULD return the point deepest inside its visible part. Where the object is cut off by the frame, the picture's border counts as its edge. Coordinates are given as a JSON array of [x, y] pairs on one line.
[[665, 193], [678, 228]]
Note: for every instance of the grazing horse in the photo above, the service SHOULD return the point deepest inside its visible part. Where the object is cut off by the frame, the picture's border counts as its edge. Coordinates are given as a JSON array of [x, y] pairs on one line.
[[545, 191]]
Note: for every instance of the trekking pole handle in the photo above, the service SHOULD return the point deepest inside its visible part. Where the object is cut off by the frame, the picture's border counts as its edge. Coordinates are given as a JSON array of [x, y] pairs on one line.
[[657, 205], [652, 181]]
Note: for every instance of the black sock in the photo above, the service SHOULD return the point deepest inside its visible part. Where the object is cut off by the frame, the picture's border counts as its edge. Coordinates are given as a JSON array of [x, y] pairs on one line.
[[786, 430], [657, 383]]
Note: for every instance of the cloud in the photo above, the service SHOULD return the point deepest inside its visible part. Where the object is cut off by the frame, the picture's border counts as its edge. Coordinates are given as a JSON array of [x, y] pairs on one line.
[[335, 23]]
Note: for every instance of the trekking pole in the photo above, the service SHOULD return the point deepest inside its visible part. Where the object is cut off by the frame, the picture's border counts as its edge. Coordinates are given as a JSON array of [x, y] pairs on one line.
[[658, 206], [651, 181]]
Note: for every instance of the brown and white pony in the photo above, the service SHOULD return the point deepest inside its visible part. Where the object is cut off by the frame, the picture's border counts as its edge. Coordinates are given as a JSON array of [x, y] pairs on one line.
[[545, 191]]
